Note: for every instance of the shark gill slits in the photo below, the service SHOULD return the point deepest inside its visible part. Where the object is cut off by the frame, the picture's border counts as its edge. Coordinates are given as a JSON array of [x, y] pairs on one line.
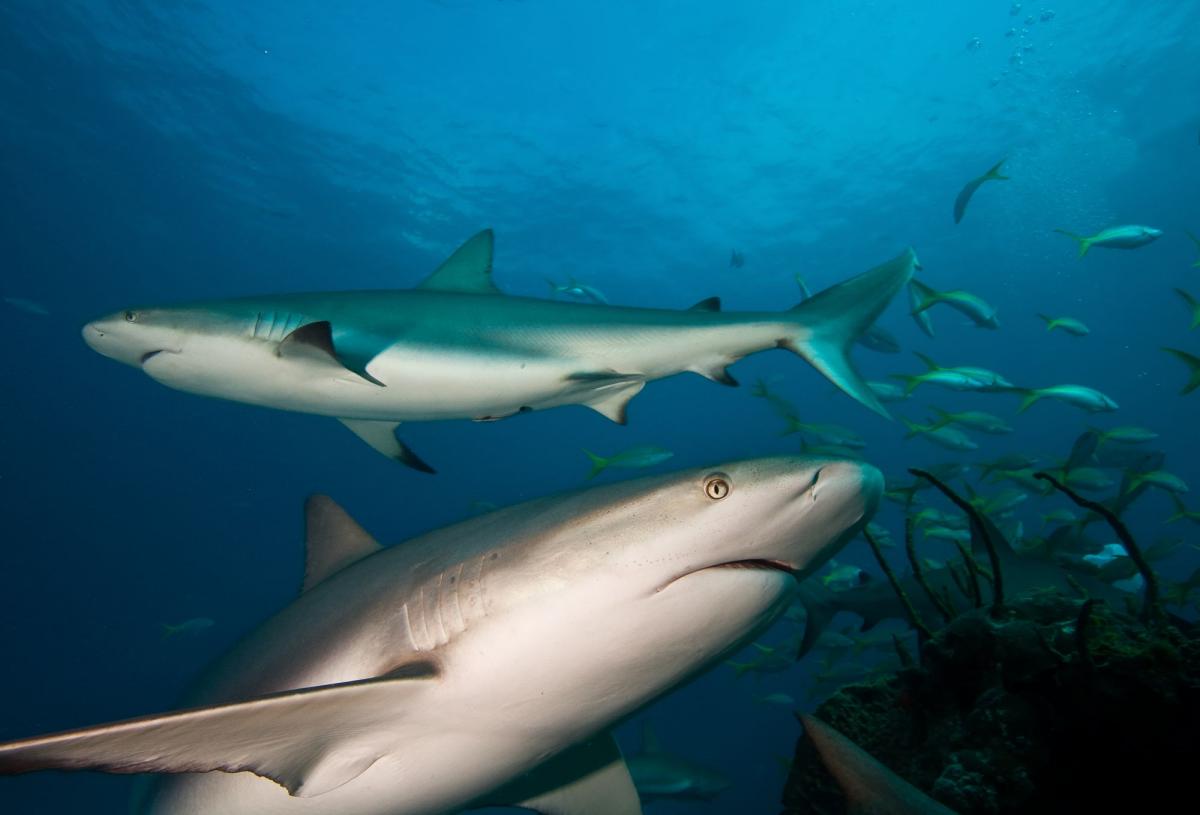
[[717, 486], [150, 354]]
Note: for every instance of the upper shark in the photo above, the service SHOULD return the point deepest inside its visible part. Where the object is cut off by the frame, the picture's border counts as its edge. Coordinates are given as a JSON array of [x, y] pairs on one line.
[[455, 347], [485, 662]]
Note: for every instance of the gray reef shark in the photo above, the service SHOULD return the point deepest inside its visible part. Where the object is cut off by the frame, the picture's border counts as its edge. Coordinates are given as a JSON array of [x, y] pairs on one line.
[[485, 662], [659, 775], [455, 347]]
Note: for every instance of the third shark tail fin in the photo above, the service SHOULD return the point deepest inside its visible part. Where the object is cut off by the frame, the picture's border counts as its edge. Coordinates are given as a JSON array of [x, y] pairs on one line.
[[1084, 243], [828, 323]]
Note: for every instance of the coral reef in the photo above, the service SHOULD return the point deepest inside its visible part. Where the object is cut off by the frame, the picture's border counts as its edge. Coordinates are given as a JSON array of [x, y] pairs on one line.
[[1058, 704]]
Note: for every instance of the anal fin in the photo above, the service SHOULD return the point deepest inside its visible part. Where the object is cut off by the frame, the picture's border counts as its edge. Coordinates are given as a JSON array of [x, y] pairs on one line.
[[381, 435], [588, 779]]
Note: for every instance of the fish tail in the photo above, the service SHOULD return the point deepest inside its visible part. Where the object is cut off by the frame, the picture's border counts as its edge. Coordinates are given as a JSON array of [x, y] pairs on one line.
[[1051, 323], [1193, 364], [1084, 243], [994, 173], [553, 287], [1028, 398], [1193, 305], [827, 324], [598, 463], [739, 668], [913, 428], [168, 631], [910, 382]]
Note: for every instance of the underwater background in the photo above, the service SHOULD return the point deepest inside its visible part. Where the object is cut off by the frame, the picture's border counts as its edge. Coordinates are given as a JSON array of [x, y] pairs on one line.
[[155, 152]]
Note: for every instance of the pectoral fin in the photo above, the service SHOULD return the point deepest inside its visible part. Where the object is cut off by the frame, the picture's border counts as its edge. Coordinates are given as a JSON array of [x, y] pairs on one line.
[[314, 342], [310, 741], [382, 436], [588, 779]]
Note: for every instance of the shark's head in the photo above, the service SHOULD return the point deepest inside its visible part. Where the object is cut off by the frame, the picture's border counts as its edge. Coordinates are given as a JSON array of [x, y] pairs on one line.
[[656, 578], [135, 336]]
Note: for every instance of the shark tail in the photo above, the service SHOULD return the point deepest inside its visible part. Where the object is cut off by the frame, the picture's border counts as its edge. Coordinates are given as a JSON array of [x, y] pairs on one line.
[[1193, 364], [1084, 243], [1193, 305], [994, 173], [1028, 397], [828, 323], [599, 463]]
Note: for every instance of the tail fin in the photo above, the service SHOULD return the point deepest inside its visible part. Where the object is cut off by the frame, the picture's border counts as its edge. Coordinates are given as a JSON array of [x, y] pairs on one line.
[[1196, 241], [168, 631], [598, 463], [1084, 243], [994, 173], [910, 382], [929, 363], [922, 296], [1193, 364], [920, 317], [1193, 305], [1028, 398], [1049, 321], [914, 429], [829, 322], [739, 668], [554, 287], [945, 417]]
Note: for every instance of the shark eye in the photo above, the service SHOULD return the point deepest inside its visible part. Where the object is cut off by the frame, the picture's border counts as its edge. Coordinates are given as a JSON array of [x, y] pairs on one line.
[[716, 487], [131, 316]]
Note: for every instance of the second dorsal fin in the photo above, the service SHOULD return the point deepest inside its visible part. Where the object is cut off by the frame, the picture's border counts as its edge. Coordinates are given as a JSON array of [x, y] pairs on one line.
[[333, 540], [468, 270]]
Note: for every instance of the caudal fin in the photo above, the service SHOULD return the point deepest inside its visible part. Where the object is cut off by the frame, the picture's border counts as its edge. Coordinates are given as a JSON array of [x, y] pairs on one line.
[[1049, 321], [598, 463], [1028, 397], [1196, 241], [1193, 305], [1084, 243], [830, 321], [1193, 364], [994, 173]]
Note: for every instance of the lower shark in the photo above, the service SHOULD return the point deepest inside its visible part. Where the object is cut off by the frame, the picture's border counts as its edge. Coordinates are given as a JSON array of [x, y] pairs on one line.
[[486, 662], [455, 347], [659, 775]]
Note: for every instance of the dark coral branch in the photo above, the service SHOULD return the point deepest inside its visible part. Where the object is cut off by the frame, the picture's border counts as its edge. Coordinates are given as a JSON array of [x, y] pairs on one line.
[[919, 574], [980, 528], [913, 617], [973, 573], [1151, 608]]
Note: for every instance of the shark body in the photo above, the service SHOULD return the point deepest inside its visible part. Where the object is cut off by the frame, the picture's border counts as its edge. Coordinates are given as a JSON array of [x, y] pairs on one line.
[[485, 662], [456, 348]]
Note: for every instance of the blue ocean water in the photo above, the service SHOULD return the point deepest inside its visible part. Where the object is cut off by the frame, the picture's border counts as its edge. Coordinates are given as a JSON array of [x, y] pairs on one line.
[[161, 152]]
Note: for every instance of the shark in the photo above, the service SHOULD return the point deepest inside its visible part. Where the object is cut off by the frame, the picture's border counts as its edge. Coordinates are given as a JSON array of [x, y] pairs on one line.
[[484, 663], [659, 775], [455, 347]]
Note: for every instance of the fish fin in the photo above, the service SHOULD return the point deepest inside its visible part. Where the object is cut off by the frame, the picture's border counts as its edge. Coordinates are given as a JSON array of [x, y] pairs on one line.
[[819, 613], [1049, 321], [611, 393], [332, 540], [1193, 364], [381, 435], [1193, 305], [913, 429], [929, 363], [314, 341], [310, 740], [994, 173], [1028, 397], [717, 372], [805, 292], [922, 296], [1084, 243], [650, 742], [910, 382], [598, 463], [590, 778], [707, 304], [870, 787], [468, 270], [921, 318], [829, 322]]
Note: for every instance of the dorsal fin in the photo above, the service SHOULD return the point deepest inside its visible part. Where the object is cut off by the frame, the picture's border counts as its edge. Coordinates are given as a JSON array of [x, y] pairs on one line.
[[333, 540], [870, 787], [468, 270], [707, 304], [650, 743]]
